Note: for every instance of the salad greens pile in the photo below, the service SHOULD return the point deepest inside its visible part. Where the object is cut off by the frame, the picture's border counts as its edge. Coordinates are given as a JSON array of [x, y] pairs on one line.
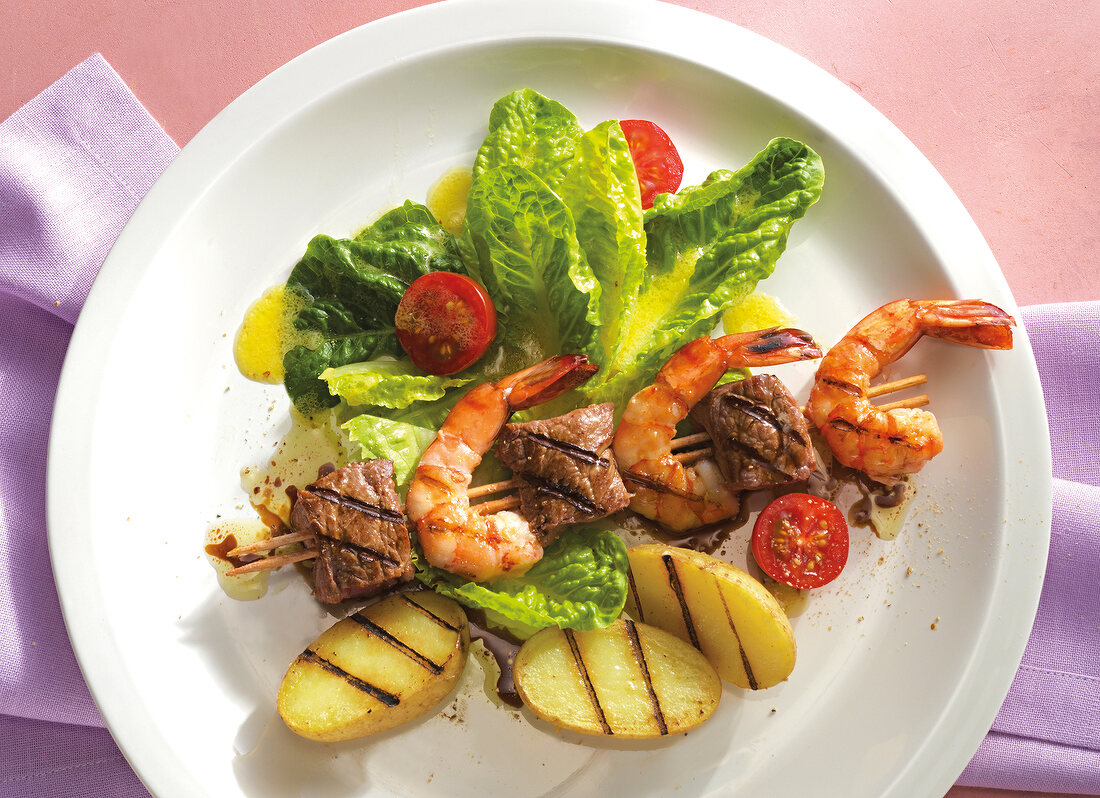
[[555, 231], [580, 582]]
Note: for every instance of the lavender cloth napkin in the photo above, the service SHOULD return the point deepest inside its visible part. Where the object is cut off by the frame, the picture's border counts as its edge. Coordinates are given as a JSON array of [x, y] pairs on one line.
[[73, 165]]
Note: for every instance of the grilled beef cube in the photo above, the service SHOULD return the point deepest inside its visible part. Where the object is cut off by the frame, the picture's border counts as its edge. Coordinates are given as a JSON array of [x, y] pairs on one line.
[[761, 439], [565, 469], [343, 571], [363, 542]]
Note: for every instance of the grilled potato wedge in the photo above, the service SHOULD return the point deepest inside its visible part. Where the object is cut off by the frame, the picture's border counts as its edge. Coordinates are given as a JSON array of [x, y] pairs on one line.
[[386, 664], [627, 680], [716, 607]]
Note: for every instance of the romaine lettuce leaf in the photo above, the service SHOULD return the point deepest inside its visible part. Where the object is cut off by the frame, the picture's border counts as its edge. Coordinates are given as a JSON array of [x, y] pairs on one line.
[[523, 240], [303, 366], [600, 188], [707, 248], [396, 441], [351, 288], [580, 583], [529, 130], [395, 384]]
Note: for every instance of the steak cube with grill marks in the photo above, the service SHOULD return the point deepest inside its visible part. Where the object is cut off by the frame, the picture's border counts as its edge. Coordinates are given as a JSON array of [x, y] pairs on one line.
[[565, 469], [761, 439], [363, 543]]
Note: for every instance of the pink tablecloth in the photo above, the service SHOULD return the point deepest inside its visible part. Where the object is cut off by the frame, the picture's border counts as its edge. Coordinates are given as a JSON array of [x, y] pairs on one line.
[[73, 165]]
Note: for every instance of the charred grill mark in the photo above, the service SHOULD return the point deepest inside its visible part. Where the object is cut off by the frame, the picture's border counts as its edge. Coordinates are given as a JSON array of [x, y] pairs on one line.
[[753, 684], [392, 641], [655, 485], [568, 449], [764, 414], [798, 437], [843, 425], [753, 409], [367, 554], [842, 385], [639, 656], [678, 591], [424, 610], [634, 594], [443, 477], [756, 456], [563, 493], [389, 699], [351, 503], [582, 669]]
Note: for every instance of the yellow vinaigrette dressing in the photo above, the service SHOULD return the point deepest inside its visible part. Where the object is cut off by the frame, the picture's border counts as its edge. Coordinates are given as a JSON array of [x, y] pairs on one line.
[[447, 198], [757, 311], [266, 334]]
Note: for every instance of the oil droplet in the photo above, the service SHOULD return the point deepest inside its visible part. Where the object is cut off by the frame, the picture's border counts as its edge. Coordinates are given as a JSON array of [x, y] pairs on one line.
[[793, 600], [447, 198], [245, 587], [305, 447]]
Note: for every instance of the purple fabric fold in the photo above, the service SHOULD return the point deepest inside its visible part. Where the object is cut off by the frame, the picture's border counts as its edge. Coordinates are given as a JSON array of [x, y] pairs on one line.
[[75, 162], [60, 760], [1047, 734]]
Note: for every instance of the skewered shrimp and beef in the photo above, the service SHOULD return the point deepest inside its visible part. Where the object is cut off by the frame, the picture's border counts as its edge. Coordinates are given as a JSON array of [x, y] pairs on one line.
[[760, 437], [356, 517], [668, 491], [456, 537], [888, 444], [563, 468]]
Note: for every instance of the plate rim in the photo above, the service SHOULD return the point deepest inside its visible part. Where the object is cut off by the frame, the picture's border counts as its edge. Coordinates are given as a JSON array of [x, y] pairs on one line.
[[816, 95]]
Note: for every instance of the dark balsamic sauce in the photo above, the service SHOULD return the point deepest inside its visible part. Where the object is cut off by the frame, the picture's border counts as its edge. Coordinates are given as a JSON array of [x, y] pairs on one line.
[[222, 548], [503, 648], [874, 494], [710, 538]]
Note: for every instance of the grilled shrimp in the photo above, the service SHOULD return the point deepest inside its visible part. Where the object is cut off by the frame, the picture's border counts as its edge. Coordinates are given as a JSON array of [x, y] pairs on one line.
[[453, 535], [666, 490], [888, 444]]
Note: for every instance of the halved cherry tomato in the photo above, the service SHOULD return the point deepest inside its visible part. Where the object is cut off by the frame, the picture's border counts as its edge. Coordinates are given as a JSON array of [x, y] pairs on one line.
[[656, 161], [801, 540], [445, 322]]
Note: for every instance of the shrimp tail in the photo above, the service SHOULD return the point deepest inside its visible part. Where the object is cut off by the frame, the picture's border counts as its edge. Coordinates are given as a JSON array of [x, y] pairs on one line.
[[769, 347], [970, 322], [546, 380]]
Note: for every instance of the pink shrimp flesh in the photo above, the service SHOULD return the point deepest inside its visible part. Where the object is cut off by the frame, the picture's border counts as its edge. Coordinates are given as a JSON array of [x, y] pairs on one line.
[[667, 491], [888, 444], [453, 535]]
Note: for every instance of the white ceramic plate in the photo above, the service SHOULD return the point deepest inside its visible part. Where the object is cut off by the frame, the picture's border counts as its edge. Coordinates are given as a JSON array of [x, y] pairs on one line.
[[153, 423]]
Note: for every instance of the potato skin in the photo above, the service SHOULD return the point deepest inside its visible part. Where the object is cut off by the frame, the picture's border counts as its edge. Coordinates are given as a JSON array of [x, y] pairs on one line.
[[385, 665], [627, 680], [716, 607]]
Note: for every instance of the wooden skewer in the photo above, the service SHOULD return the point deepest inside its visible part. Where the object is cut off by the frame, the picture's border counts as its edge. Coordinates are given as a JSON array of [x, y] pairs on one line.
[[692, 455], [897, 385], [279, 560], [690, 440], [492, 487], [496, 505], [267, 544], [686, 456], [916, 401], [271, 563]]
